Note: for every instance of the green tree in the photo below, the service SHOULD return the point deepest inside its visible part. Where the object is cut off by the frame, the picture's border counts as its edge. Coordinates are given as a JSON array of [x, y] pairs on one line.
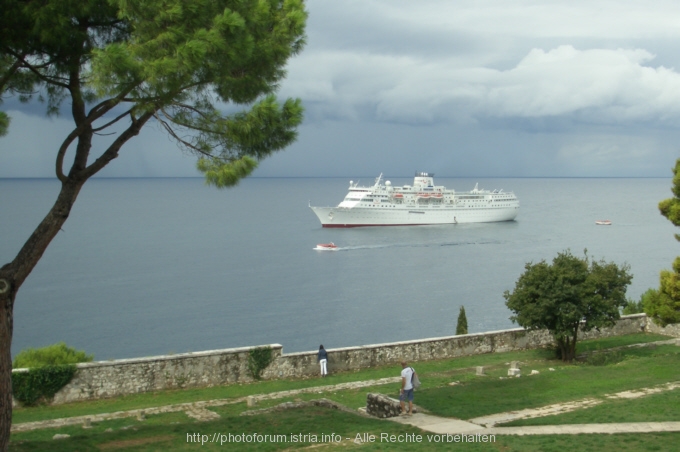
[[663, 305], [117, 65], [462, 326], [570, 295]]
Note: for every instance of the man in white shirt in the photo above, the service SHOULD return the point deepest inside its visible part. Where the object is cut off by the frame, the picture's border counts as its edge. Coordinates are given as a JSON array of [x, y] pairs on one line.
[[406, 392]]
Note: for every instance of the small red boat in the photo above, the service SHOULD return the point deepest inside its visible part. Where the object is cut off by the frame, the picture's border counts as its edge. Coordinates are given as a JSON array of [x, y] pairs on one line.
[[326, 247]]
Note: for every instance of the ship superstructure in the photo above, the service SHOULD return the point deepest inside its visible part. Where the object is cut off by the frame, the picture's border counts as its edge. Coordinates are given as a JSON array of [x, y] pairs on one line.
[[383, 204]]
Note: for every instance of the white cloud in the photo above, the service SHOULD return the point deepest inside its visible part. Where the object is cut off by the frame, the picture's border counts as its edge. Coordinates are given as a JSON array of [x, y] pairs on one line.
[[604, 85], [598, 85]]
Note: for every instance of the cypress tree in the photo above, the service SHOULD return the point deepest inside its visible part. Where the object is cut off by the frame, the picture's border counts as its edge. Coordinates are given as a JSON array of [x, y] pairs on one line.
[[461, 327]]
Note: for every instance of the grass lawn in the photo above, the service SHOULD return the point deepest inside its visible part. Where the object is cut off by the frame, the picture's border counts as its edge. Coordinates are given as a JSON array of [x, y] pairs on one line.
[[314, 422], [652, 408], [642, 367], [474, 396]]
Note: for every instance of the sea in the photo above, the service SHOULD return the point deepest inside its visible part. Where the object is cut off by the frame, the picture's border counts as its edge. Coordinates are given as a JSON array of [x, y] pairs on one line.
[[159, 266]]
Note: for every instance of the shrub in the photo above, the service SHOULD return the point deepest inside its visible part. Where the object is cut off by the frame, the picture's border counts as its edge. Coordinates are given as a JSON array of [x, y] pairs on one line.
[[52, 355], [258, 360], [40, 384], [50, 369], [605, 358], [633, 307], [636, 307]]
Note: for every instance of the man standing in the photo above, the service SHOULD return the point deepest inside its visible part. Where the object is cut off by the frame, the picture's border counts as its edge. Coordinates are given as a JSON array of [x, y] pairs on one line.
[[406, 392]]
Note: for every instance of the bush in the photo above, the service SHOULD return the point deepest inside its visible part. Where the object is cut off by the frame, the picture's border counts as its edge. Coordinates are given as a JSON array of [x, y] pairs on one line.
[[52, 355], [40, 384], [637, 307], [605, 358], [258, 360], [50, 369], [633, 307]]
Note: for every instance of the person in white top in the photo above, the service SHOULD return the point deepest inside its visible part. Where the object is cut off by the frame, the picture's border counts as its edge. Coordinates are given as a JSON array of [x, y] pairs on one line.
[[406, 392]]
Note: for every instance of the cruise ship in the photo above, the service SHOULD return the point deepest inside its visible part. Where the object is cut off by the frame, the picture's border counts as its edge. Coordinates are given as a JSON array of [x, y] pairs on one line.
[[422, 203]]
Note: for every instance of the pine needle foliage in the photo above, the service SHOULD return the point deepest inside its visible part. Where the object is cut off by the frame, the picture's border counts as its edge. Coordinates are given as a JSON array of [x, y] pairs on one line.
[[663, 305]]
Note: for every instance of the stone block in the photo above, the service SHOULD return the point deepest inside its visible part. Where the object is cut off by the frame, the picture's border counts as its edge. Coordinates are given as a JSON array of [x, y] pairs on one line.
[[479, 371], [381, 406], [251, 401], [513, 372]]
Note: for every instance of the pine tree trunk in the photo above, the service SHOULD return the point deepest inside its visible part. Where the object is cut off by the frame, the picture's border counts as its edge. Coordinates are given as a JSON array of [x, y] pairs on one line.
[[6, 324], [12, 276]]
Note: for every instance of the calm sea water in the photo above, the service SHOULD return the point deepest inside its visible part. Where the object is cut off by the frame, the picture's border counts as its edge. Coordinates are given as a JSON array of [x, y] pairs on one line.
[[154, 266]]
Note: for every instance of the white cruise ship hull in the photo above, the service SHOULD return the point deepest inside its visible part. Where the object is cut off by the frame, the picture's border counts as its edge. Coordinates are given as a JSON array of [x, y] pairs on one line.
[[418, 204], [340, 217]]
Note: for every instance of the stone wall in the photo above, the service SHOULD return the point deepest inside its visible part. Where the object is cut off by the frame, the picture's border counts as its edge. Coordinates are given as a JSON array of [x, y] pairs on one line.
[[353, 358], [669, 330], [105, 379], [381, 406], [220, 367]]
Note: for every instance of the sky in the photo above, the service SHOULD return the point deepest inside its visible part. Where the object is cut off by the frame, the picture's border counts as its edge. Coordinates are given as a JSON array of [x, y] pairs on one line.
[[478, 88]]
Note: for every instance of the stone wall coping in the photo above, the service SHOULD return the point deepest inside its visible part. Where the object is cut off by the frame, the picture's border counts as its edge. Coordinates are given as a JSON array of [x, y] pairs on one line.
[[188, 355], [400, 343], [630, 316], [425, 340]]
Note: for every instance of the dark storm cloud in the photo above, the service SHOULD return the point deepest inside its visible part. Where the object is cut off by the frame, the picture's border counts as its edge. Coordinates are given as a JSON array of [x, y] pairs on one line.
[[496, 88]]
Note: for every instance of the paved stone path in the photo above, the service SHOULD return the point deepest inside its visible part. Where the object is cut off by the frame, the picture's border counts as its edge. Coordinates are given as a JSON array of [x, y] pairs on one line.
[[447, 426], [196, 410], [501, 418], [486, 425]]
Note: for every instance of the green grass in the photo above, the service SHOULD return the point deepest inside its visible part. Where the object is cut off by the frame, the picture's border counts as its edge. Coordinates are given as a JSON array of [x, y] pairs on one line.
[[474, 396], [660, 407], [144, 436], [643, 367]]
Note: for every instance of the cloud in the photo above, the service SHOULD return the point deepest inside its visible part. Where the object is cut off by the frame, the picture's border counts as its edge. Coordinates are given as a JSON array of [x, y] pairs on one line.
[[593, 85], [598, 84]]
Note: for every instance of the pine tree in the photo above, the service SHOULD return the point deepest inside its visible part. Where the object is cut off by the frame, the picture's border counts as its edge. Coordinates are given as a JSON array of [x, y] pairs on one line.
[[205, 72], [663, 305], [461, 327]]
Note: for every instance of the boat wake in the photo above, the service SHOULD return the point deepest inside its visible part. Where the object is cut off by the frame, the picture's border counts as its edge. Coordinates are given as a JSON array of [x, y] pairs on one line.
[[414, 245]]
